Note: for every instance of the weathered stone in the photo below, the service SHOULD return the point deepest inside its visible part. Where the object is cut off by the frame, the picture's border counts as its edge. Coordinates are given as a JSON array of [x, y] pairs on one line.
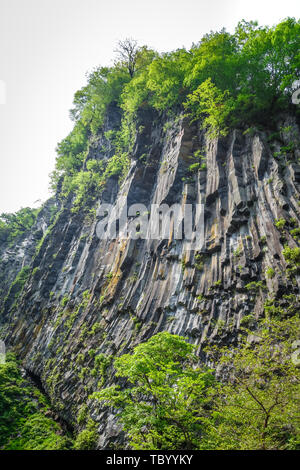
[[109, 295]]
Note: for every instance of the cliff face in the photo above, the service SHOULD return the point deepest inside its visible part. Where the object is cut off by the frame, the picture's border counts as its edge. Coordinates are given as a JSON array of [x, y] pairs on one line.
[[87, 300]]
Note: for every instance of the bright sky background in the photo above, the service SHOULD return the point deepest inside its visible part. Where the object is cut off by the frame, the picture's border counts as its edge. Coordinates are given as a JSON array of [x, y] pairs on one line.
[[46, 48]]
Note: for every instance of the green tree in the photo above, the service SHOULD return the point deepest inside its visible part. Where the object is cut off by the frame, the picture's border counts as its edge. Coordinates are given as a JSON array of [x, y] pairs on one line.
[[258, 407], [269, 62], [211, 105], [14, 225], [136, 93], [163, 403], [215, 57], [226, 81], [165, 79]]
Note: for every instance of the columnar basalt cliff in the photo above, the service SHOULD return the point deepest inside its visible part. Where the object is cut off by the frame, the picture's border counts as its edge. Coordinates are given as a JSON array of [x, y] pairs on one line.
[[87, 298]]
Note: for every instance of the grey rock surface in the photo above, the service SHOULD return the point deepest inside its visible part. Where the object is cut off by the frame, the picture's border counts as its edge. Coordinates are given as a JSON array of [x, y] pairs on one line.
[[109, 295]]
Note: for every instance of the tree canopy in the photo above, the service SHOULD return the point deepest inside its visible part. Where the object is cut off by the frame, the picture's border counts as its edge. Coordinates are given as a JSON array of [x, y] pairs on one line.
[[14, 225], [225, 80], [167, 402], [162, 406]]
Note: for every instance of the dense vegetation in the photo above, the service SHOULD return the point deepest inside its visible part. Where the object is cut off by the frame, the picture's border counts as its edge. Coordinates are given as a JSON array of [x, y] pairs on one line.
[[14, 225], [225, 80], [24, 414], [169, 403]]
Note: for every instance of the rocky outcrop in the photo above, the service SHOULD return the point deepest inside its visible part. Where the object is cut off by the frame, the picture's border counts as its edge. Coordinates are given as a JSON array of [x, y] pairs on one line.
[[17, 256], [88, 300]]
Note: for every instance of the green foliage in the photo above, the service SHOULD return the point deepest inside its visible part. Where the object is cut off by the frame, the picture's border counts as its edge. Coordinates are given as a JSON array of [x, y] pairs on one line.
[[225, 80], [269, 62], [16, 287], [20, 279], [215, 57], [183, 265], [263, 240], [87, 439], [13, 226], [213, 105], [258, 407], [199, 261], [135, 93], [87, 185], [163, 406], [280, 223], [168, 403], [91, 353], [286, 307], [82, 414], [295, 232], [237, 253], [104, 88], [23, 424], [247, 320], [95, 329], [255, 286], [165, 79], [118, 165], [64, 300], [292, 255], [200, 163], [71, 151], [39, 433], [293, 221], [250, 73], [270, 273], [194, 167], [200, 297], [101, 363]]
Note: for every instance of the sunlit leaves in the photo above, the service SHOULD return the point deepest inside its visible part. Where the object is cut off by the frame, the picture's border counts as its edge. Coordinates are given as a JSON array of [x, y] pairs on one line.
[[212, 105], [258, 406], [14, 225], [163, 404]]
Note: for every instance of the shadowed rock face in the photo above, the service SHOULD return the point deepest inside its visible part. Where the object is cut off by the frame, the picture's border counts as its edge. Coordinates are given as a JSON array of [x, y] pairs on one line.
[[106, 296]]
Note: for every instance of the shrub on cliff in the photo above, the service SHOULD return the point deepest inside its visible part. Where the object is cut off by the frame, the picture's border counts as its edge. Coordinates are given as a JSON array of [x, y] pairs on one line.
[[23, 424], [14, 225]]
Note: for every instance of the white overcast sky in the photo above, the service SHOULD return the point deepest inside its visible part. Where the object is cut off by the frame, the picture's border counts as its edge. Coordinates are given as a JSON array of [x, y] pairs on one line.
[[46, 48]]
